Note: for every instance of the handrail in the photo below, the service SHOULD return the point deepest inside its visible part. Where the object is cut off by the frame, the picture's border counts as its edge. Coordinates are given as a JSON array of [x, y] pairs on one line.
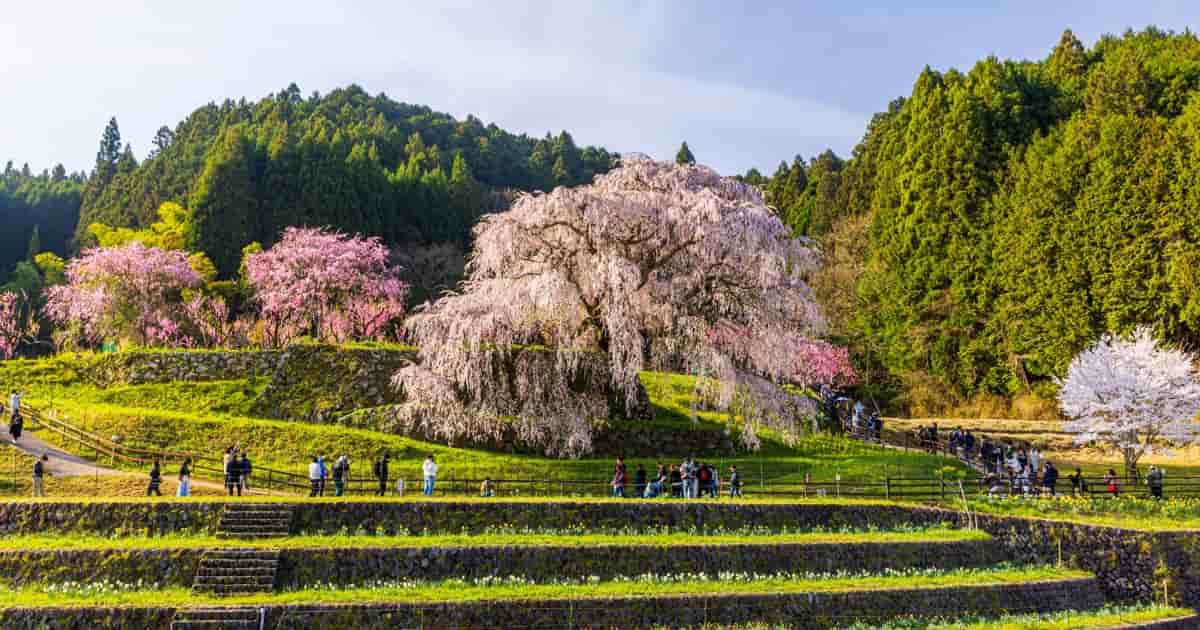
[[143, 456]]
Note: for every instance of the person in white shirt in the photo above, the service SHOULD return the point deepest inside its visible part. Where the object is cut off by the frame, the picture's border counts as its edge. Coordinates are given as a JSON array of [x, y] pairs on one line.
[[14, 403], [314, 477], [429, 470]]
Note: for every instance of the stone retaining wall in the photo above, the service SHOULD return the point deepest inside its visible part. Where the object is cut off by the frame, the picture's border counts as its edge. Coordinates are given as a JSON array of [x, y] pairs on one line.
[[141, 367], [109, 519], [799, 610], [303, 567], [474, 517], [299, 567], [100, 618], [164, 567], [1131, 565]]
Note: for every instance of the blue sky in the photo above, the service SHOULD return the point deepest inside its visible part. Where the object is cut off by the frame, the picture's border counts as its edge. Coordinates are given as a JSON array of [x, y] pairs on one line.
[[746, 84]]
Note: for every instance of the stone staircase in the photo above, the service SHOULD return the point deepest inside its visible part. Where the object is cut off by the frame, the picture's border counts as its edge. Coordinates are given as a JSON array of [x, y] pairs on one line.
[[255, 520], [236, 571], [214, 618]]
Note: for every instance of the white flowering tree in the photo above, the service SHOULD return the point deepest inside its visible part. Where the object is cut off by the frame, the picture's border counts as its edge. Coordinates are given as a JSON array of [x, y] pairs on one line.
[[653, 264], [1132, 395]]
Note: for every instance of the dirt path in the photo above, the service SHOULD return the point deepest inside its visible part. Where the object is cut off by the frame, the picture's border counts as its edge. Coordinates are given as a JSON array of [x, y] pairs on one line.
[[64, 464], [60, 462]]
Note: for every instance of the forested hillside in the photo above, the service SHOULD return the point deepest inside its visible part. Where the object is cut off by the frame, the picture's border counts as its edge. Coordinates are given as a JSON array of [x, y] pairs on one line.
[[38, 212], [346, 159], [994, 222]]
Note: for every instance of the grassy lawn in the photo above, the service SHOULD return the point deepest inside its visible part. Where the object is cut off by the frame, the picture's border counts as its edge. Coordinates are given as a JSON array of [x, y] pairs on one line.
[[287, 445], [1102, 619], [519, 589], [655, 539], [1133, 513]]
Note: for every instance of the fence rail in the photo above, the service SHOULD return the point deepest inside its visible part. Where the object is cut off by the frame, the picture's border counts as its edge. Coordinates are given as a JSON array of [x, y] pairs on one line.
[[769, 482]]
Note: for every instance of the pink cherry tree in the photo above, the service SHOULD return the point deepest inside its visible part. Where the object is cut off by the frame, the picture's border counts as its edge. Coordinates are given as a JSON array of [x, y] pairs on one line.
[[1132, 395], [17, 323], [334, 286], [129, 292], [654, 265]]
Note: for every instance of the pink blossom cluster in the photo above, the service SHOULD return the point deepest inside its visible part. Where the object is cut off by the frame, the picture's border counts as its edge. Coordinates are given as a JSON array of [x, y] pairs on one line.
[[11, 329], [127, 291], [653, 262], [334, 285]]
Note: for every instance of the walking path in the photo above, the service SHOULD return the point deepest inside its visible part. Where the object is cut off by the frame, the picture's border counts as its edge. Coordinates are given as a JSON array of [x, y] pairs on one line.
[[61, 463]]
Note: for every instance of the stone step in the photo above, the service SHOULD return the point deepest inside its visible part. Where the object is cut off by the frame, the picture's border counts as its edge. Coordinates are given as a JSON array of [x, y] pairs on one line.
[[238, 564], [252, 535], [223, 574], [253, 527], [206, 618]]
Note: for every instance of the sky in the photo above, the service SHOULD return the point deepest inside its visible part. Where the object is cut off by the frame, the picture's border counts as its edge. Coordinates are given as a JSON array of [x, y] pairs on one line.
[[746, 84]]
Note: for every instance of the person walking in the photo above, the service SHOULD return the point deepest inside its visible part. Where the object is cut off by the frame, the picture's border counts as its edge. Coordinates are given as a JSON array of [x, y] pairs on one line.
[[1154, 479], [341, 471], [233, 474], [314, 478], [244, 470], [39, 473], [676, 478], [155, 480], [735, 482], [16, 426], [185, 479], [618, 480], [1077, 484], [381, 474], [429, 471], [14, 403]]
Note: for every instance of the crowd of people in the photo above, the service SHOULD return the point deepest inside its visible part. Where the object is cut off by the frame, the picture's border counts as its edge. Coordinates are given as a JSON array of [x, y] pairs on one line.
[[688, 480]]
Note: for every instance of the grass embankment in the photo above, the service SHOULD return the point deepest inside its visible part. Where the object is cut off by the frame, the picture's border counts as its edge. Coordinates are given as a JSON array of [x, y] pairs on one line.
[[462, 591], [1127, 512], [662, 538], [1102, 619], [205, 417]]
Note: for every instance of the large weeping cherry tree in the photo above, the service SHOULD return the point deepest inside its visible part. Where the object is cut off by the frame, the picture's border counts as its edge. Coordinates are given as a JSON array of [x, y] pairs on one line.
[[653, 265], [1132, 395]]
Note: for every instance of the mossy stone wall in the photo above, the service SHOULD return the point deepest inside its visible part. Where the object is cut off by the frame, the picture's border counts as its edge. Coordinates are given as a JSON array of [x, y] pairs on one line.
[[299, 567], [109, 519], [162, 567]]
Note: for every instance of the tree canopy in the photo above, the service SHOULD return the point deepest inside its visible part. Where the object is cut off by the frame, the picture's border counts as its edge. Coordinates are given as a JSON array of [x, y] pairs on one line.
[[993, 223], [355, 162]]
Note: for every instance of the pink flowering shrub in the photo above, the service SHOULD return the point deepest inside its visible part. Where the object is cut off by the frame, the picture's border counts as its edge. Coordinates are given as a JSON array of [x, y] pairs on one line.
[[335, 286], [128, 292]]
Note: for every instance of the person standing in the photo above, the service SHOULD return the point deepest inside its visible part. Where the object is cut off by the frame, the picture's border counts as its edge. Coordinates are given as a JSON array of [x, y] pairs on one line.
[[232, 474], [1110, 483], [244, 470], [155, 480], [1049, 478], [314, 478], [639, 481], [341, 470], [39, 472], [485, 489], [14, 403], [618, 480], [735, 482], [185, 479], [381, 474], [324, 475], [1154, 479], [429, 471]]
